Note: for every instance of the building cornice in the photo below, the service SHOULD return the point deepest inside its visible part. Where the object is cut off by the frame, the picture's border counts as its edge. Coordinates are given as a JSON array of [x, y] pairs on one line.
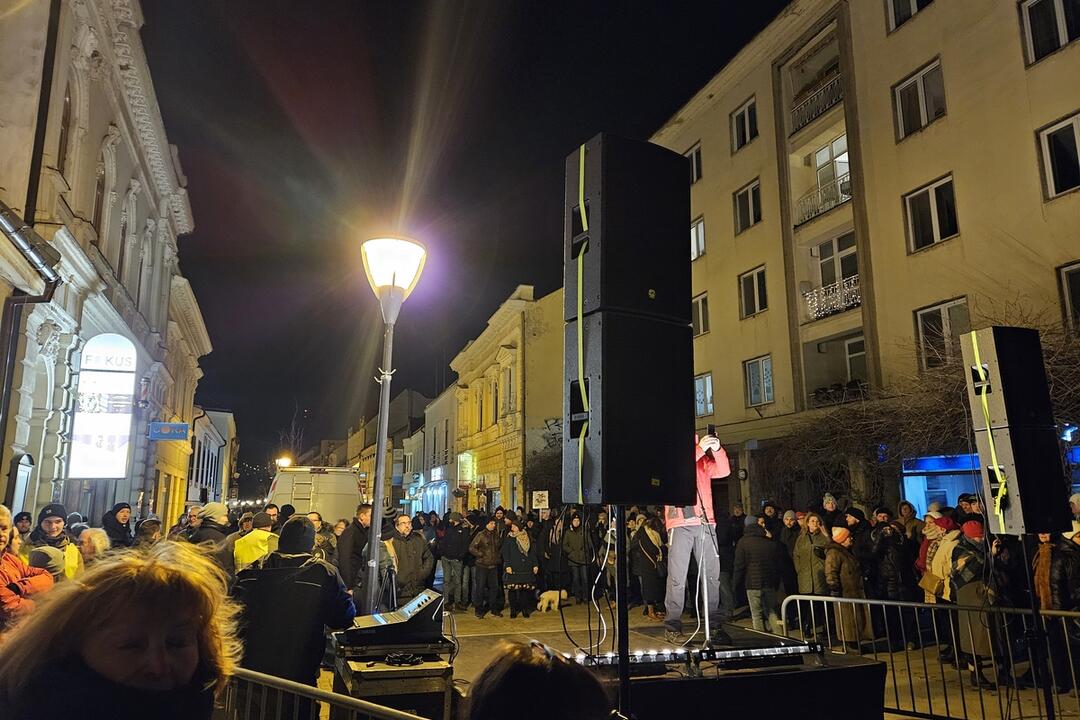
[[185, 309], [490, 340]]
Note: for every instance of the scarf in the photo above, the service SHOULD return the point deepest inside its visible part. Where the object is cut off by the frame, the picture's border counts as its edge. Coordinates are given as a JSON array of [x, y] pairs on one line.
[[522, 539], [1041, 563], [654, 538], [38, 537]]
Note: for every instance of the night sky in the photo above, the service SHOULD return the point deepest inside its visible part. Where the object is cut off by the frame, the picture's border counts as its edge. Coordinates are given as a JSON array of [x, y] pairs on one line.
[[306, 127]]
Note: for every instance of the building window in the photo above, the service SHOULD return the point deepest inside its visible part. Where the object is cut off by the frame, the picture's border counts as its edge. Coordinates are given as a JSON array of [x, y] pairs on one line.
[[855, 351], [697, 239], [759, 385], [1070, 287], [1049, 25], [65, 132], [837, 259], [744, 125], [831, 164], [123, 248], [940, 328], [1060, 158], [900, 11], [752, 292], [480, 409], [699, 314], [748, 207], [703, 403], [931, 214], [99, 203], [920, 100], [495, 401], [694, 155]]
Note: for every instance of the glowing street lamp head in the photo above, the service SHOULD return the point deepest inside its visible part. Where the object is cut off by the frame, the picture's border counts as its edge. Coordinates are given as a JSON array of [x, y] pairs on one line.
[[283, 462], [393, 267]]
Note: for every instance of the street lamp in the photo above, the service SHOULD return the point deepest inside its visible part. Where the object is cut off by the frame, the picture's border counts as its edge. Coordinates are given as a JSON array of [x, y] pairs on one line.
[[283, 462], [393, 266]]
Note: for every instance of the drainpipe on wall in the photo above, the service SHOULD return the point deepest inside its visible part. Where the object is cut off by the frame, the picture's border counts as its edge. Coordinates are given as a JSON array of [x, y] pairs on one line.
[[191, 461]]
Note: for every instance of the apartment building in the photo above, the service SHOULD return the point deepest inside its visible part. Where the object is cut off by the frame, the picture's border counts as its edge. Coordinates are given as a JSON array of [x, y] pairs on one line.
[[868, 180]]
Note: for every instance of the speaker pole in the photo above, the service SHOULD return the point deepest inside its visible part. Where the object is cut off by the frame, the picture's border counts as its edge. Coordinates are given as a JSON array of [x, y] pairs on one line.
[[1037, 636], [622, 591]]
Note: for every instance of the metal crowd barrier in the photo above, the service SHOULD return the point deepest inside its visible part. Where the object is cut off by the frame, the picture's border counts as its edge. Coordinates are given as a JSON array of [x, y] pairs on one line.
[[952, 661], [254, 696]]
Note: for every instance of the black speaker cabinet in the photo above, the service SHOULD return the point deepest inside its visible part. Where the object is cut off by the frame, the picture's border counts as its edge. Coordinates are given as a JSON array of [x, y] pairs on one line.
[[639, 445], [636, 249], [1013, 382]]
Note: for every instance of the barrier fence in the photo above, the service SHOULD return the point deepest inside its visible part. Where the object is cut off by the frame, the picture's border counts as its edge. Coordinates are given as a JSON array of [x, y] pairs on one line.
[[255, 696], [952, 661]]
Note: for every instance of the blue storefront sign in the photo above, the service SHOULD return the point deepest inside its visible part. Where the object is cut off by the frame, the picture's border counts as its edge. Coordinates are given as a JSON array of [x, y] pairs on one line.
[[168, 431]]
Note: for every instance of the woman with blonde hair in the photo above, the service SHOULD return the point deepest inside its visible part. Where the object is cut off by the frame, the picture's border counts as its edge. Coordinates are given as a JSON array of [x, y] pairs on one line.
[[142, 633]]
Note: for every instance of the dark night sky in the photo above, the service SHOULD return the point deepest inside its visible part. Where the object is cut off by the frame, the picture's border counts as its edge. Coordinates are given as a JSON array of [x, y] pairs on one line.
[[306, 127]]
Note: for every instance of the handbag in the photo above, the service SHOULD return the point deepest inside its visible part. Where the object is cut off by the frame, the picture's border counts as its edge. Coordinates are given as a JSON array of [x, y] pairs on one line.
[[932, 584]]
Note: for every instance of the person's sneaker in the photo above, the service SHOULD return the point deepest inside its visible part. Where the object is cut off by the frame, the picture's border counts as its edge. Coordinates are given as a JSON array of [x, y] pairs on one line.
[[497, 613], [720, 637], [480, 616], [673, 636]]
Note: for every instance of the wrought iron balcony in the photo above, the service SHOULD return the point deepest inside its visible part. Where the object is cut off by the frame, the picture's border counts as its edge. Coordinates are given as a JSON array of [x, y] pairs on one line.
[[832, 299], [839, 393], [821, 200], [817, 102]]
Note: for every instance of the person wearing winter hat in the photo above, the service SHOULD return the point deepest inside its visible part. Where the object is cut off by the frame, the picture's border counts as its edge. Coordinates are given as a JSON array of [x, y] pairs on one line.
[[971, 565], [117, 524], [1074, 506], [255, 545], [831, 513], [148, 531], [212, 530], [50, 560], [844, 579], [50, 531], [789, 533], [289, 598], [24, 523], [75, 517]]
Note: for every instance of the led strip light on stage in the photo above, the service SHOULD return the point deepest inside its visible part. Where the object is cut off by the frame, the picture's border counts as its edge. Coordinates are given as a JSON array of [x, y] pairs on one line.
[[681, 655]]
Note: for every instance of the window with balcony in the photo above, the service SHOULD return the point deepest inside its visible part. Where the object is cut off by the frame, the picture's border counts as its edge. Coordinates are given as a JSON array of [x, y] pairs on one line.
[[855, 353], [744, 125], [838, 271], [753, 298], [833, 173], [759, 382], [697, 239], [747, 207], [703, 399], [940, 328], [837, 259], [931, 214], [919, 100], [1070, 291], [699, 314], [900, 11], [1060, 158], [694, 156], [1049, 25]]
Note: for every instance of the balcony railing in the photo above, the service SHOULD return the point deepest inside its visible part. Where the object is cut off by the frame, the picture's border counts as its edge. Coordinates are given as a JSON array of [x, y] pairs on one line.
[[839, 393], [816, 103], [822, 199], [832, 299]]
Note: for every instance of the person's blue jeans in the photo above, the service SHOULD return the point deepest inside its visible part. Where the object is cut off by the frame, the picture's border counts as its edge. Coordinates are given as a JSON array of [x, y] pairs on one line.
[[453, 587], [579, 582], [763, 608]]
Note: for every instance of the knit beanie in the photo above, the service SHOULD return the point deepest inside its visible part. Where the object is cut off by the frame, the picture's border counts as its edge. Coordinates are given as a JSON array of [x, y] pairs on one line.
[[48, 558], [22, 516], [262, 520], [945, 523], [790, 514], [840, 534], [297, 535], [52, 510], [213, 510], [120, 506], [973, 530], [828, 499], [751, 520], [72, 518]]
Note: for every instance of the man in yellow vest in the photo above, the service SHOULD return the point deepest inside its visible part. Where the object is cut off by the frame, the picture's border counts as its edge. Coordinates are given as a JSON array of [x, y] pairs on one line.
[[257, 544], [50, 531]]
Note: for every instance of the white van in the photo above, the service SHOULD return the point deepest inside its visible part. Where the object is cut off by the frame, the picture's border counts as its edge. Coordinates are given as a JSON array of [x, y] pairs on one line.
[[332, 492]]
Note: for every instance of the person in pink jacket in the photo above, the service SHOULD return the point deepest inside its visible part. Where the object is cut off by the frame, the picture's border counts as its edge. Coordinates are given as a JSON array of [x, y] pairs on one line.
[[692, 532], [18, 581]]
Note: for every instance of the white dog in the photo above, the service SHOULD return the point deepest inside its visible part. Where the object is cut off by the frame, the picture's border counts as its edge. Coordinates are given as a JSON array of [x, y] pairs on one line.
[[549, 600]]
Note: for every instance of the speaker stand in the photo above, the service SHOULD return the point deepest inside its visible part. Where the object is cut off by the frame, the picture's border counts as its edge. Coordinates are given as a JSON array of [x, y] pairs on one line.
[[622, 592]]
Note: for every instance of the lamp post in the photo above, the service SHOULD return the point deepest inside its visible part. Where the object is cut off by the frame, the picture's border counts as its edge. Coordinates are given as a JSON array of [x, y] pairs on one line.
[[393, 266], [283, 462]]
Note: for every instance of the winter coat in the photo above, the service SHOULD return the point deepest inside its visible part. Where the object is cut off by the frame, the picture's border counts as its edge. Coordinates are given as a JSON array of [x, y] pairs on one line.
[[210, 533], [18, 581], [645, 555], [788, 537], [454, 544], [843, 576], [942, 563], [73, 561], [253, 547], [969, 561], [287, 601], [573, 543], [895, 572], [809, 560], [413, 563], [486, 549], [119, 535], [705, 469], [326, 544], [518, 565], [350, 552], [757, 560], [69, 679], [1065, 575]]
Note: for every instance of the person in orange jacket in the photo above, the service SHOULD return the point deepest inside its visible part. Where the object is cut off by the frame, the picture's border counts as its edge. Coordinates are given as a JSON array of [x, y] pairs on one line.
[[18, 581]]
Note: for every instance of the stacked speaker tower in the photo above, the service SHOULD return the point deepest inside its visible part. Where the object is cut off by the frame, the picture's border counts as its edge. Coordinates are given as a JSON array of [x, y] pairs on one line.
[[628, 400]]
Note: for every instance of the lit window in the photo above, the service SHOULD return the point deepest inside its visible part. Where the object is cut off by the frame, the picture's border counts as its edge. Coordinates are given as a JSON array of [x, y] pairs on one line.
[[920, 100], [837, 259], [900, 11], [931, 214], [1049, 25], [703, 400], [697, 239], [753, 298], [699, 314], [744, 125], [759, 382], [748, 207], [1070, 286], [940, 328], [1060, 158], [694, 155]]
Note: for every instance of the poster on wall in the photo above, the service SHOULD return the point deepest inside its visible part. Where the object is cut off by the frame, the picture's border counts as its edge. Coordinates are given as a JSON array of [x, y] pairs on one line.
[[101, 432]]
